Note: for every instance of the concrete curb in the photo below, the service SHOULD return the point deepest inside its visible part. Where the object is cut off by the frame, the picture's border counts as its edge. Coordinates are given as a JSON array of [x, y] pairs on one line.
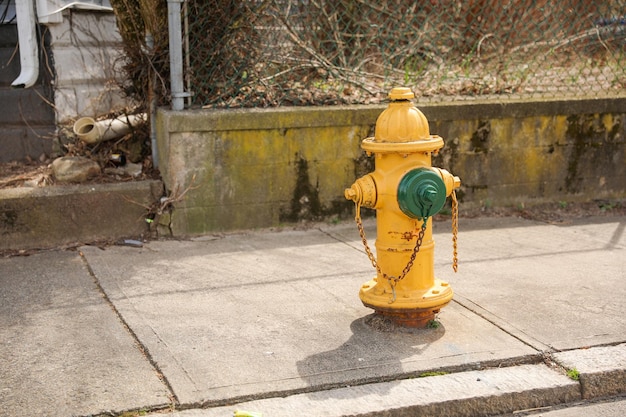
[[463, 394], [602, 370], [61, 215], [496, 391]]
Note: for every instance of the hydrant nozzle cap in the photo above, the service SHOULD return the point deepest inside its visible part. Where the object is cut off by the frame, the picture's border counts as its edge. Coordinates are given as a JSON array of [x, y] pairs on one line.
[[351, 194], [401, 93], [421, 193]]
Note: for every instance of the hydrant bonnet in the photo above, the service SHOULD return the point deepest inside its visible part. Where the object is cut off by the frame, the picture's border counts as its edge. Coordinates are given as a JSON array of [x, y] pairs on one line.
[[401, 121]]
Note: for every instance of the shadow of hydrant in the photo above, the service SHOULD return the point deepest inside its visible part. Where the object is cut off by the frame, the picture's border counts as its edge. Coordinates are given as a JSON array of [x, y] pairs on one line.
[[377, 351]]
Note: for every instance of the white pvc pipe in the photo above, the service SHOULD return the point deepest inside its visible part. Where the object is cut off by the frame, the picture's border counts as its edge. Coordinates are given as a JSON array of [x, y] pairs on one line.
[[91, 131], [26, 33]]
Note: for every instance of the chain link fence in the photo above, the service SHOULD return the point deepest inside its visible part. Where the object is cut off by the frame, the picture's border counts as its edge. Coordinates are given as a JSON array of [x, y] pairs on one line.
[[262, 53]]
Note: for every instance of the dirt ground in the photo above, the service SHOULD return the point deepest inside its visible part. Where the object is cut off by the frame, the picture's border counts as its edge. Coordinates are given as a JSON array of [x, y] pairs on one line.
[[38, 174], [553, 213], [16, 174]]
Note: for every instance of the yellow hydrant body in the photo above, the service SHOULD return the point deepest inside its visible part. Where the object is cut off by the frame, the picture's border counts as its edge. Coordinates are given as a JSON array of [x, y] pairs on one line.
[[406, 191]]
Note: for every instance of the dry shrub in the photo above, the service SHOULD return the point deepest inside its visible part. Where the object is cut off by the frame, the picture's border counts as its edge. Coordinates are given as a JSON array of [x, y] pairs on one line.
[[143, 27]]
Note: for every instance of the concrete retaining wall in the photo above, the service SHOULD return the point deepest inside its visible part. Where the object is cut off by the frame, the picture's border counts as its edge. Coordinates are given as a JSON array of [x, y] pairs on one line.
[[48, 217], [534, 151], [263, 167]]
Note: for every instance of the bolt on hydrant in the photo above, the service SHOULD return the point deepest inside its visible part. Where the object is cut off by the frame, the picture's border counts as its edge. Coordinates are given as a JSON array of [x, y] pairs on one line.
[[406, 192]]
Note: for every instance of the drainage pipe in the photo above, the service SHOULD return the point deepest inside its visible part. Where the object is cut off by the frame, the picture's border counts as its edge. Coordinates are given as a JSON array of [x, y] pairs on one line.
[[91, 131], [27, 38]]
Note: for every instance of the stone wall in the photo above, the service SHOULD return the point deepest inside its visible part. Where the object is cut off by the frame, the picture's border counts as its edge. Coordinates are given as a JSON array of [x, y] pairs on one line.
[[259, 168], [243, 169]]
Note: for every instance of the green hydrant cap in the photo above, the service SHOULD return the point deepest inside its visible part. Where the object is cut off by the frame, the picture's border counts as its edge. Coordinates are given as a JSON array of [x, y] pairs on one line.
[[421, 193]]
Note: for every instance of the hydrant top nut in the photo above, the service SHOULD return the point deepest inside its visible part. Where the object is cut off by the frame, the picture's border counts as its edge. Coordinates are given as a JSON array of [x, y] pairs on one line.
[[401, 93]]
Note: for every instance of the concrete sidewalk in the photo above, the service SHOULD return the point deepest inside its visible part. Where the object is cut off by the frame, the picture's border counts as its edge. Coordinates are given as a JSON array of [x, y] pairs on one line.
[[271, 322]]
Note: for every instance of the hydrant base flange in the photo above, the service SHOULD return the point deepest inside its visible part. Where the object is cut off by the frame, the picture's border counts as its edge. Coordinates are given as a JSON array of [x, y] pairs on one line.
[[418, 319], [409, 309]]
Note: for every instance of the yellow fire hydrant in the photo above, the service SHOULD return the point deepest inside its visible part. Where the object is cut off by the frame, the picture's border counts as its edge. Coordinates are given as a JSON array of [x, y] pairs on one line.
[[406, 192]]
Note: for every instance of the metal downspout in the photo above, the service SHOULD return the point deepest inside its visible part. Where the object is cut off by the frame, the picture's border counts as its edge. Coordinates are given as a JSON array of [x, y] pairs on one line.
[[26, 32], [176, 54], [152, 107]]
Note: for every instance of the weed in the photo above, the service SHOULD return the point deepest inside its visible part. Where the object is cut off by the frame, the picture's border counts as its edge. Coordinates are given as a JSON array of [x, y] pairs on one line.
[[433, 324], [573, 374], [413, 69], [606, 207], [563, 204], [467, 62], [322, 85]]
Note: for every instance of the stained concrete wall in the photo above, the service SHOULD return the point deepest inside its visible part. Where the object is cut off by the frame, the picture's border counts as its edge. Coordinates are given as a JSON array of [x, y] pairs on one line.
[[259, 168], [263, 167], [534, 151]]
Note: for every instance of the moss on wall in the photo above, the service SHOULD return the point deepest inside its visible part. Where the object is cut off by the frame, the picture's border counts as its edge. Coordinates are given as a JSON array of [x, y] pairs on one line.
[[261, 168]]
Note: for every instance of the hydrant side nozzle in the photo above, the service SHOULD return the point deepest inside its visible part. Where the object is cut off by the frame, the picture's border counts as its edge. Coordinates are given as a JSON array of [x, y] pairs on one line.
[[363, 191], [452, 182], [352, 193]]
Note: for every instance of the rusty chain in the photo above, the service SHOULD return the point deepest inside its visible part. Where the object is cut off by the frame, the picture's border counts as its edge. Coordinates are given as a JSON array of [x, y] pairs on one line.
[[393, 280], [455, 231]]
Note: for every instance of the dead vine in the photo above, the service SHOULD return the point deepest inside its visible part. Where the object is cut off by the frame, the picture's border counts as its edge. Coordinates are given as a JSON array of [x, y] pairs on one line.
[[165, 205]]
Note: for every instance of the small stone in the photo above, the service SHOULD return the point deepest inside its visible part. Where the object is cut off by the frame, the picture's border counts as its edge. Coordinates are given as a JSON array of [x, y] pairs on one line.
[[133, 242], [74, 169], [130, 169], [134, 170]]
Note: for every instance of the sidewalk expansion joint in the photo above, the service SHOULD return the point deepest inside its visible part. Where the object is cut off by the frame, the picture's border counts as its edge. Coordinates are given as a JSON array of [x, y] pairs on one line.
[[143, 349], [337, 239], [484, 314]]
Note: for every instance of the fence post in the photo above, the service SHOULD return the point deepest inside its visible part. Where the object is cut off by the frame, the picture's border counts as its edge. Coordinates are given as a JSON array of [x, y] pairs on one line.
[[176, 54]]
